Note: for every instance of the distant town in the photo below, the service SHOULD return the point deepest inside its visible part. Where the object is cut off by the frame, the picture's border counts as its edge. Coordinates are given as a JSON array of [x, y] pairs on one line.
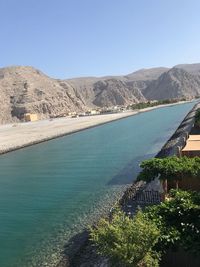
[[108, 110]]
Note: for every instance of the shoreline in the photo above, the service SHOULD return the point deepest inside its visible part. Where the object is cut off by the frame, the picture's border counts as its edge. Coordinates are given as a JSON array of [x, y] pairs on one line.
[[86, 255], [20, 135]]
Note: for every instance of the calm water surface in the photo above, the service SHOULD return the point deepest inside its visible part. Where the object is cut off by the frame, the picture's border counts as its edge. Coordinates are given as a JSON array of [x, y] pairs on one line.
[[47, 191]]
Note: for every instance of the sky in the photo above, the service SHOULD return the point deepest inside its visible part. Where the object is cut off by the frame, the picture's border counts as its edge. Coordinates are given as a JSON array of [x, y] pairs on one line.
[[75, 38]]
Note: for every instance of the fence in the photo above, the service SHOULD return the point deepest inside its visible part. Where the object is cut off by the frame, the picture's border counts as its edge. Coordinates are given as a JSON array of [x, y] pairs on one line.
[[148, 197]]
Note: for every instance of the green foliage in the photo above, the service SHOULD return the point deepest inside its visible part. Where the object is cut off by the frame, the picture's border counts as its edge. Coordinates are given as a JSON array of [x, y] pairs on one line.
[[155, 103], [138, 242], [178, 221], [127, 242], [169, 168], [197, 118]]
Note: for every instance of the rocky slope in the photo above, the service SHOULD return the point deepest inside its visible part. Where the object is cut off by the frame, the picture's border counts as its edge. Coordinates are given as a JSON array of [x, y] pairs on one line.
[[108, 91], [192, 68], [25, 89], [175, 83], [146, 74]]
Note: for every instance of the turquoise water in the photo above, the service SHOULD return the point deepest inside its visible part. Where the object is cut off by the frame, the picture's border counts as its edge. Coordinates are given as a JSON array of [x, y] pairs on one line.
[[47, 191]]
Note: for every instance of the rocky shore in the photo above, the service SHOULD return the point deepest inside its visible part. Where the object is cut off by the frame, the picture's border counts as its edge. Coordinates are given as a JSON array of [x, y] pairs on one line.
[[86, 254], [178, 139]]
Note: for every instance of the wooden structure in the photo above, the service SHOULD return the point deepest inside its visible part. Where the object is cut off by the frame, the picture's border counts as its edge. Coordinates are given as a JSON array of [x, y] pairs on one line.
[[186, 183], [192, 147], [148, 197]]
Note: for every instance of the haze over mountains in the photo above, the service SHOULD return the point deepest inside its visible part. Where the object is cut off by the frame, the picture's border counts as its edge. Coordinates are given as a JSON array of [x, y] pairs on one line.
[[26, 89]]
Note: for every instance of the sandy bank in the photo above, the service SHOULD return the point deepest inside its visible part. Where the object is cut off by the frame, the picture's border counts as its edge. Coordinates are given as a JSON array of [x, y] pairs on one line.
[[16, 136]]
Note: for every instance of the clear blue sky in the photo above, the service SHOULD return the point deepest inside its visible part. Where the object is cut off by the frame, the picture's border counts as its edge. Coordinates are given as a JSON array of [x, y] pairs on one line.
[[70, 38]]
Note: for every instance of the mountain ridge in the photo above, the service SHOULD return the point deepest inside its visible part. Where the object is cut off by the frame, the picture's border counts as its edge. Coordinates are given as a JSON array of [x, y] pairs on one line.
[[26, 89]]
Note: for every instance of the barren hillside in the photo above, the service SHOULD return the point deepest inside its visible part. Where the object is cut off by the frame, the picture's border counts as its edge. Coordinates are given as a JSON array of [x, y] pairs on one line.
[[26, 89]]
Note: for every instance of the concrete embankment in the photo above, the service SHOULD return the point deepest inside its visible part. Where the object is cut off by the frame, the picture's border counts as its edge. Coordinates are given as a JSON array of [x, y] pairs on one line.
[[177, 140]]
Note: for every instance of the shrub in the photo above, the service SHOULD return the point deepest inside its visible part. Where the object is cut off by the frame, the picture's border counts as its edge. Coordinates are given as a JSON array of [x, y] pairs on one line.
[[127, 242], [169, 168], [178, 220]]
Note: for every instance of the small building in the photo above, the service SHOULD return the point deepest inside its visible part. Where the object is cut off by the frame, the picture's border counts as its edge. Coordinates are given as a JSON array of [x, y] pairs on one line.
[[192, 147], [30, 117], [191, 150], [72, 113], [94, 112], [194, 137]]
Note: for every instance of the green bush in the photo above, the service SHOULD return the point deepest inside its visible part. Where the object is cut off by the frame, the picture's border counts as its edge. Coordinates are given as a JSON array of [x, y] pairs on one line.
[[139, 242], [169, 168], [127, 242], [178, 220], [155, 103]]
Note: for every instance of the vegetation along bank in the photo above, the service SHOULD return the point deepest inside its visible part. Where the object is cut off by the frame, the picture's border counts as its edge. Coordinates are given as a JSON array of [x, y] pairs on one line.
[[87, 254]]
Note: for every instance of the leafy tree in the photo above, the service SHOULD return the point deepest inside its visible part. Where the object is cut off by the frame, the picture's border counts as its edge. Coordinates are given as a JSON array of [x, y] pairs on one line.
[[155, 103], [127, 242], [178, 220], [138, 242], [169, 168]]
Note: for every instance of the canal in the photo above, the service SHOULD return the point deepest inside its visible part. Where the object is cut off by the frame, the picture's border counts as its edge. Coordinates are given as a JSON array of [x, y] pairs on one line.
[[49, 191]]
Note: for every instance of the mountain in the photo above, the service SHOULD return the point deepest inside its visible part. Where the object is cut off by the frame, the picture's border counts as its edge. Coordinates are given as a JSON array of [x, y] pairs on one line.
[[146, 74], [192, 68], [106, 91], [26, 89], [175, 83]]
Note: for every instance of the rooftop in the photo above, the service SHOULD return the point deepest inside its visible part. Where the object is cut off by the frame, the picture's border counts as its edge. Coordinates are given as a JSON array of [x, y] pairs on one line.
[[193, 143], [194, 137]]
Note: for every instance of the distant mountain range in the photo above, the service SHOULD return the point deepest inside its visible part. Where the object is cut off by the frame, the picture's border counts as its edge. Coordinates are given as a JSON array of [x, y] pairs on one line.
[[26, 89]]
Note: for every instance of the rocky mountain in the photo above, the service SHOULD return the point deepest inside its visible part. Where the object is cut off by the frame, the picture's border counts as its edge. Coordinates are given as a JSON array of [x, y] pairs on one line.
[[146, 74], [192, 68], [107, 91], [175, 83], [26, 89]]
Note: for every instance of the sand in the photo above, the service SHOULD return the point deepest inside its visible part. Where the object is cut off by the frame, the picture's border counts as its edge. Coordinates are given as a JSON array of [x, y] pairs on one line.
[[19, 135]]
